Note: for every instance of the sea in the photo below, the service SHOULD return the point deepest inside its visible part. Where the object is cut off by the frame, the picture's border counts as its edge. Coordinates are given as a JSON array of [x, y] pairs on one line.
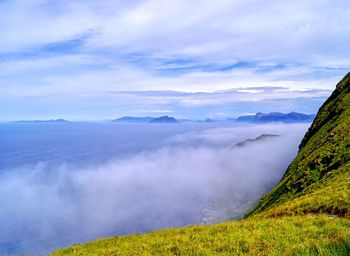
[[69, 183]]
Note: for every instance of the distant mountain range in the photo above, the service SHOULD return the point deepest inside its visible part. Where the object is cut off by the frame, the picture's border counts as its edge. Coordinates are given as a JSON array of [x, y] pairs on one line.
[[42, 121], [292, 117], [147, 119]]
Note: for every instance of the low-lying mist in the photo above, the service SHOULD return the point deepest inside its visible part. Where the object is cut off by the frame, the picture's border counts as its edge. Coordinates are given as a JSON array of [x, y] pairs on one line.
[[196, 177]]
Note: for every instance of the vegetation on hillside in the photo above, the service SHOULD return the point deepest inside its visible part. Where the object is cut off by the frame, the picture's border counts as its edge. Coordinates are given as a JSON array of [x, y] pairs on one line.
[[307, 235], [307, 213], [319, 177]]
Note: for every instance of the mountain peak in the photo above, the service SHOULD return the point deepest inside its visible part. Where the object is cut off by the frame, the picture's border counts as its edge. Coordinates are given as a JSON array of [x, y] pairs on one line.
[[164, 119], [292, 117]]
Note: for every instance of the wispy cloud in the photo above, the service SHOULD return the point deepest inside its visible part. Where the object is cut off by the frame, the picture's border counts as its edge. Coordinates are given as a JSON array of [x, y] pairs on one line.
[[75, 47]]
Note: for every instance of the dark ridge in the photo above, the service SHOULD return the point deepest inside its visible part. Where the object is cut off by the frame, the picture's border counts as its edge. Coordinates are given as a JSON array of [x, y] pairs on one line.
[[262, 137]]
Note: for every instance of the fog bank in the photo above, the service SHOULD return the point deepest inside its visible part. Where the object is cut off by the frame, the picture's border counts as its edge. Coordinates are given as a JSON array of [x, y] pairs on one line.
[[196, 177]]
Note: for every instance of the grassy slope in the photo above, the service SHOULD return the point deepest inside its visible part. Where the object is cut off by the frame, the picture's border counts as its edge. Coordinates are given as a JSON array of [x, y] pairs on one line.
[[270, 236], [321, 169], [291, 220]]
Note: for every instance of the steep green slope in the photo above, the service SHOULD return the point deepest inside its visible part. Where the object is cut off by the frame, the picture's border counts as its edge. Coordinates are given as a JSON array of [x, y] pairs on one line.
[[308, 212], [318, 180]]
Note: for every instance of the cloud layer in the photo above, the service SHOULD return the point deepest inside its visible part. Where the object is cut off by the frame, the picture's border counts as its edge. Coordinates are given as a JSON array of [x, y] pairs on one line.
[[197, 178], [60, 50]]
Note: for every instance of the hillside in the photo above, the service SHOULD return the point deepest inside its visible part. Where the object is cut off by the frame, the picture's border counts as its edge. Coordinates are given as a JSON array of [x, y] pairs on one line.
[[307, 213], [318, 180]]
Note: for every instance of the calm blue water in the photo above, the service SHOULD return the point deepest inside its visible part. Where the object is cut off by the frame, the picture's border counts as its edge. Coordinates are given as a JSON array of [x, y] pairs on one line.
[[81, 143]]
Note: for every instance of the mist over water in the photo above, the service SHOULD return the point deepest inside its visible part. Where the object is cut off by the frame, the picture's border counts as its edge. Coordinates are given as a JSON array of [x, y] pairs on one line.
[[174, 175]]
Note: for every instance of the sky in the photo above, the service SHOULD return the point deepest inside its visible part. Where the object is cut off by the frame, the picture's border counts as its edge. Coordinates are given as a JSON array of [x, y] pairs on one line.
[[99, 60]]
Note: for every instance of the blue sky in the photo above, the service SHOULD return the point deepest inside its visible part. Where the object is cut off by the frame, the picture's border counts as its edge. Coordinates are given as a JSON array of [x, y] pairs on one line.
[[96, 60]]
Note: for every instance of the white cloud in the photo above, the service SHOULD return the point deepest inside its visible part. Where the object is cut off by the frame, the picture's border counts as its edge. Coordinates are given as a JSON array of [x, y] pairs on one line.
[[185, 46], [220, 31]]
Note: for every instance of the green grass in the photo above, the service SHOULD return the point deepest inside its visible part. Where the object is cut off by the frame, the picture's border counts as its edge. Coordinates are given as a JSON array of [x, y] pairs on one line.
[[296, 235], [331, 195], [307, 213]]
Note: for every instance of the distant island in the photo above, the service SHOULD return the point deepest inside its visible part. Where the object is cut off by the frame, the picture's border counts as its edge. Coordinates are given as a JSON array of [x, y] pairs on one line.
[[133, 119], [292, 117], [147, 119], [42, 121]]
